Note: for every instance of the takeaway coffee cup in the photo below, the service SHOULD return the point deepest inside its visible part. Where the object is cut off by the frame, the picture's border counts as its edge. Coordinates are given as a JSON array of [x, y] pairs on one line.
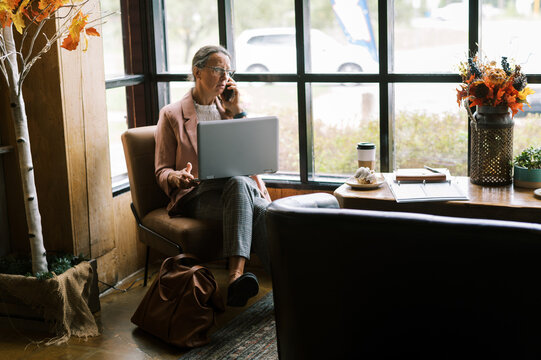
[[366, 155]]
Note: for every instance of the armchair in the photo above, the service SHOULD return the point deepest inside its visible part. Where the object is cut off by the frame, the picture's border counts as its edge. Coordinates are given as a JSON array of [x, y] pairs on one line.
[[369, 284], [168, 235]]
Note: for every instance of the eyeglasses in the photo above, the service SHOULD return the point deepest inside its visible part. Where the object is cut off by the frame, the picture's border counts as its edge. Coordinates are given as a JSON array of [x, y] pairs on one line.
[[220, 71]]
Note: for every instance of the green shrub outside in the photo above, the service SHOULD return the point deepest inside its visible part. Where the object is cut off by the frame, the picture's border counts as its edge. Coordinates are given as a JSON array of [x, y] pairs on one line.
[[420, 139]]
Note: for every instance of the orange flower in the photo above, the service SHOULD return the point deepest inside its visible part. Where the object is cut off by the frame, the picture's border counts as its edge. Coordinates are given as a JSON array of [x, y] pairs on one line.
[[496, 76]]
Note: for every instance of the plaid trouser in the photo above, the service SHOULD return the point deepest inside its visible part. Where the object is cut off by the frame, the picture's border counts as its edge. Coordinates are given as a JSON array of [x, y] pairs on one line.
[[238, 203]]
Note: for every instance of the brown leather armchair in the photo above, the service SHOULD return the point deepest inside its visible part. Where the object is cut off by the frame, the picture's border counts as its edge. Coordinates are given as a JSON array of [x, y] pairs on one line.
[[378, 285], [168, 235]]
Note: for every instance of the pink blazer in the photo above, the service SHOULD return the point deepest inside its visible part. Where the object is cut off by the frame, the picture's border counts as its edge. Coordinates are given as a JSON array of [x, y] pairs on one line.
[[176, 145]]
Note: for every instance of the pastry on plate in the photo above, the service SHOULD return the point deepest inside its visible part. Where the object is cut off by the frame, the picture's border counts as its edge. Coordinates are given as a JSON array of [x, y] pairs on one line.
[[364, 175]]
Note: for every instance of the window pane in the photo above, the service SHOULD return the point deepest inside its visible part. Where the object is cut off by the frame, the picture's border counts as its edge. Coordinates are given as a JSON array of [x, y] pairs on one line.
[[190, 25], [113, 49], [117, 119], [527, 124], [343, 116], [178, 90], [265, 36], [429, 36], [342, 36], [511, 29], [430, 128], [259, 99], [279, 99]]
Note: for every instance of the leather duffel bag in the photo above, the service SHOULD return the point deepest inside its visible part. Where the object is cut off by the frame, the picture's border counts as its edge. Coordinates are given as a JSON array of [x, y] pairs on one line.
[[181, 304]]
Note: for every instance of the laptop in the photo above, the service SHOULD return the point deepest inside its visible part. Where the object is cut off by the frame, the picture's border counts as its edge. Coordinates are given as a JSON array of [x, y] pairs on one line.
[[247, 146]]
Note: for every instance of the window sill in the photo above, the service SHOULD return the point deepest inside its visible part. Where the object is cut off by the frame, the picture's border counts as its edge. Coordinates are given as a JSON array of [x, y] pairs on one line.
[[289, 181], [121, 183]]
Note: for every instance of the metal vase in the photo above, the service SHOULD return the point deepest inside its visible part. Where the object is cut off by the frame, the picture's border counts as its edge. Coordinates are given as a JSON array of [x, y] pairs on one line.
[[491, 152]]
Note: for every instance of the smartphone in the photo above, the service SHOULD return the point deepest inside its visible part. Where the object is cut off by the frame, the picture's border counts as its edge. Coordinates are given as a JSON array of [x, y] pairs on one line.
[[227, 94]]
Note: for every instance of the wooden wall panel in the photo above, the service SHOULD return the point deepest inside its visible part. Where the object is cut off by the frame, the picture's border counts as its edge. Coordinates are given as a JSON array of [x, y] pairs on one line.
[[43, 100], [14, 194], [86, 114], [75, 139], [45, 124], [108, 269], [277, 193], [130, 251], [98, 167], [4, 229]]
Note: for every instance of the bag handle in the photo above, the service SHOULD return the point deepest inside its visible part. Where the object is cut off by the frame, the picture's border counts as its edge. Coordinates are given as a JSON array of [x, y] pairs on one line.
[[176, 258]]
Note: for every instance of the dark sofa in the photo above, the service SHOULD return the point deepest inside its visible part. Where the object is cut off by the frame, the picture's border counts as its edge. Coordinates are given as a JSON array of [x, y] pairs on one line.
[[377, 285]]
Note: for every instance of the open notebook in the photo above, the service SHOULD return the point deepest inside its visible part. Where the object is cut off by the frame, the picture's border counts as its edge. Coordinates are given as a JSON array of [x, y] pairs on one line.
[[418, 191]]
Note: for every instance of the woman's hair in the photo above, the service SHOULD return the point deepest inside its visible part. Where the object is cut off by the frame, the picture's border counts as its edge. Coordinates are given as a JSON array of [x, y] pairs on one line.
[[203, 54]]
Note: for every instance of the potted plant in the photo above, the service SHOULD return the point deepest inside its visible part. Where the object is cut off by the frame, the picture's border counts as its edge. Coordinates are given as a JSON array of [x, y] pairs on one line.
[[17, 56], [527, 168]]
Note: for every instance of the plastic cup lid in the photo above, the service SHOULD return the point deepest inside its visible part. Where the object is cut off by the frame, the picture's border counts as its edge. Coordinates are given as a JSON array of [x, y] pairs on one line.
[[366, 146]]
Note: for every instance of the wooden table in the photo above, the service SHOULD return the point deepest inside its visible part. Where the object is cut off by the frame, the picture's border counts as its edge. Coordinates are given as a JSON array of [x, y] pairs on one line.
[[502, 202]]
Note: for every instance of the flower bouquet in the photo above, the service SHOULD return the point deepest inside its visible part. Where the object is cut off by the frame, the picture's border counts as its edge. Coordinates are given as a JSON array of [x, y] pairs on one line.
[[485, 84], [499, 93]]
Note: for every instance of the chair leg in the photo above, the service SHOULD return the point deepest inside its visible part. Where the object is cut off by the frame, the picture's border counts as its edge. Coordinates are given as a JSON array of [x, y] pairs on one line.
[[146, 266]]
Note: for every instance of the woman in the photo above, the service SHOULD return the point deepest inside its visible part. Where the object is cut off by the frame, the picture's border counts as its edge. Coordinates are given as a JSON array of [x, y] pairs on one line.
[[240, 202]]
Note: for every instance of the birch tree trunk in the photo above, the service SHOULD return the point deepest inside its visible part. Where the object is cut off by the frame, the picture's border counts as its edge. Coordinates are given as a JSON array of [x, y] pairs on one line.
[[26, 167]]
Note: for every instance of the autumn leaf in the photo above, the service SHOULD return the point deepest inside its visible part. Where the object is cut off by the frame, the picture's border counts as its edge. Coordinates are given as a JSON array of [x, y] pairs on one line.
[[9, 5], [18, 19], [92, 32], [5, 18], [476, 102], [78, 24], [47, 7], [523, 94]]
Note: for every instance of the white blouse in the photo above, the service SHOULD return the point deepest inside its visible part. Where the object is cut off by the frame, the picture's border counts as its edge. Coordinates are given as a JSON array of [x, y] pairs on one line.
[[207, 112]]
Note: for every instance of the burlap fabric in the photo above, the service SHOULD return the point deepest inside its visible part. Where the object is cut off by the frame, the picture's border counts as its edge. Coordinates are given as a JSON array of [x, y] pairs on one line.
[[62, 300]]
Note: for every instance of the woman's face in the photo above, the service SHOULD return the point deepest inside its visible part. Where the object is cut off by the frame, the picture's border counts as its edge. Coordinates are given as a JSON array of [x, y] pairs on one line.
[[211, 80]]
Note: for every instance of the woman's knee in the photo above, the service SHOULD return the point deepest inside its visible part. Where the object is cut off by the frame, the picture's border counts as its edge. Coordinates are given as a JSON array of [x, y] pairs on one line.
[[240, 182]]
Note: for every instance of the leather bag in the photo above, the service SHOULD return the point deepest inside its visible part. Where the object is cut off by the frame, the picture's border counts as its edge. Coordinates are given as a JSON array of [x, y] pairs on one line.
[[181, 304]]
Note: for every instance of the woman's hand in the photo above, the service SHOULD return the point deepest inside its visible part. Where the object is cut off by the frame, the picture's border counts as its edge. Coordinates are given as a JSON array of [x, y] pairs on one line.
[[182, 179], [233, 105]]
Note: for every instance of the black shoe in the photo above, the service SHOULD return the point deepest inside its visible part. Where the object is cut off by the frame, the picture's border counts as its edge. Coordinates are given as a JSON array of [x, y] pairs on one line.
[[240, 290]]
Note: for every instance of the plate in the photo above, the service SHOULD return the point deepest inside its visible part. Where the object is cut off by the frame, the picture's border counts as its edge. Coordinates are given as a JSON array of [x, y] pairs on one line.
[[354, 184], [537, 193]]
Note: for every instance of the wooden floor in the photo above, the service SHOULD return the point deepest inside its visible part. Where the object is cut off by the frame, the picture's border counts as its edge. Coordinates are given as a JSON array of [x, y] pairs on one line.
[[119, 338]]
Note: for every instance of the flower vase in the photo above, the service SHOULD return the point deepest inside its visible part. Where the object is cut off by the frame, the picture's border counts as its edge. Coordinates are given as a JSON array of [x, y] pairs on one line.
[[491, 152]]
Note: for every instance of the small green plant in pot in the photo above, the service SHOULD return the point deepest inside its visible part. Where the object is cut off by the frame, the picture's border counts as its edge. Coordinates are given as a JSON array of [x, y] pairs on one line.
[[527, 168]]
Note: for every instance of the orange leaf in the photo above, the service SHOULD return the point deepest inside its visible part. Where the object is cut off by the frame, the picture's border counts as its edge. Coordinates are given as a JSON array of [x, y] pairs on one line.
[[498, 98], [77, 25], [5, 18], [476, 102], [69, 43], [92, 32]]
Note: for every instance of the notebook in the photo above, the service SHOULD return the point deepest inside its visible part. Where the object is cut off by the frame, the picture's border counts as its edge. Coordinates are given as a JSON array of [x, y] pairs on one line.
[[419, 191], [247, 146], [415, 174]]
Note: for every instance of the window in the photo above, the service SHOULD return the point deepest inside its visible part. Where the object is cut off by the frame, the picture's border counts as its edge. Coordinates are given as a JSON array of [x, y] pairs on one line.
[[337, 72], [127, 87], [189, 26], [115, 95]]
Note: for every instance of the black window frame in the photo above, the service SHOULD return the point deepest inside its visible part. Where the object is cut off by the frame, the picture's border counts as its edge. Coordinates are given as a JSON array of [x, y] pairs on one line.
[[147, 82]]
